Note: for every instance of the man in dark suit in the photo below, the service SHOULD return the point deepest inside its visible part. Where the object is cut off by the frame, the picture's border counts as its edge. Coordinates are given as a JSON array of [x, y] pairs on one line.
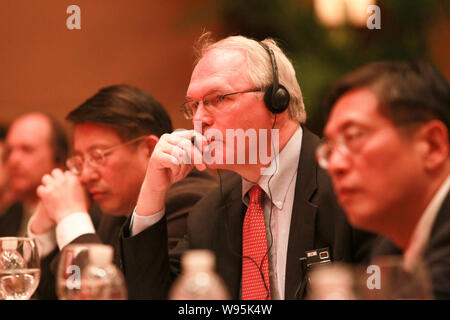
[[6, 196], [115, 132], [387, 152], [247, 107], [35, 144]]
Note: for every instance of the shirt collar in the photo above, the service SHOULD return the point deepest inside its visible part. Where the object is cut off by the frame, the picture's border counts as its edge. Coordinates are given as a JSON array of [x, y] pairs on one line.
[[422, 231], [285, 172]]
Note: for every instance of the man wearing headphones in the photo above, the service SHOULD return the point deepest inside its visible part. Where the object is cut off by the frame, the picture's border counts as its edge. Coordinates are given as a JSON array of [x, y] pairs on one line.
[[266, 220], [115, 131]]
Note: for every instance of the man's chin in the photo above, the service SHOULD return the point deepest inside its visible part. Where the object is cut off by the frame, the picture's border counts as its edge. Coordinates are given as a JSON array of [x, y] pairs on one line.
[[112, 210], [216, 166], [22, 191], [360, 218]]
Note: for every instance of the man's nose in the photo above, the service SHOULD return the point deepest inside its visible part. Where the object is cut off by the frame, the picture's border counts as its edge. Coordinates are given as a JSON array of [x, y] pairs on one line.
[[88, 174], [202, 115], [13, 158], [338, 163]]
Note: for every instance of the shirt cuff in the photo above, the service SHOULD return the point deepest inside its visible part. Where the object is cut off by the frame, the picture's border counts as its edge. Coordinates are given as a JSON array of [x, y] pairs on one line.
[[140, 223], [45, 242], [73, 226]]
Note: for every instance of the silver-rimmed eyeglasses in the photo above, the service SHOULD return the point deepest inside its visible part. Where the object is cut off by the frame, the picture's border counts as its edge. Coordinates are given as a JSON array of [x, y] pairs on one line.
[[210, 102], [95, 158], [349, 142]]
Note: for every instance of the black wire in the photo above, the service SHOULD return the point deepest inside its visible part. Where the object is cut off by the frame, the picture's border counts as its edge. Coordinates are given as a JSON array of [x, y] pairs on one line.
[[271, 204], [258, 266]]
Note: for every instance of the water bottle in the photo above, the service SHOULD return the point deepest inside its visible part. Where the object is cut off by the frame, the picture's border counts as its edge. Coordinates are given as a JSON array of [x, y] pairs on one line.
[[101, 279], [10, 258], [331, 282], [198, 280]]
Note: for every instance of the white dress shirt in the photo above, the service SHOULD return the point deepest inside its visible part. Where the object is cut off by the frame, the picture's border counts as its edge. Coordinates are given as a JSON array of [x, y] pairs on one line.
[[67, 230], [282, 190], [278, 203]]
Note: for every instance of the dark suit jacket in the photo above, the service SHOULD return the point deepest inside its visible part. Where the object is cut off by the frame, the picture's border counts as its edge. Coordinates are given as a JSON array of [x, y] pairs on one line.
[[436, 255], [181, 197], [10, 220], [216, 224]]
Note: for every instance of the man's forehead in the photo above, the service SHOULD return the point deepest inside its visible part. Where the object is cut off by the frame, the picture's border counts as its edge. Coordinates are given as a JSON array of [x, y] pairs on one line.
[[88, 135], [357, 106], [216, 68], [29, 130], [88, 128], [222, 57]]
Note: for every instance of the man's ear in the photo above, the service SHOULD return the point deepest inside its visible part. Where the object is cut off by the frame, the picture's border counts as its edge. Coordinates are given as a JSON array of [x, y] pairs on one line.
[[150, 142], [433, 137]]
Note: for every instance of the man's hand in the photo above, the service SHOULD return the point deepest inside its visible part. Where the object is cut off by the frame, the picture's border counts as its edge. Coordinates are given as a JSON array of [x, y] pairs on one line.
[[172, 159], [41, 222], [62, 194]]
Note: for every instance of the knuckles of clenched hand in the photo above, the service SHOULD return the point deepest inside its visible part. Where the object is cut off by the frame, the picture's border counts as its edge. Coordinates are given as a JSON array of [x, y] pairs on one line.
[[62, 193]]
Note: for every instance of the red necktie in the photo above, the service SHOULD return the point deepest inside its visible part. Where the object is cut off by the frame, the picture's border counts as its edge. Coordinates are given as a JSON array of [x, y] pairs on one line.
[[254, 250]]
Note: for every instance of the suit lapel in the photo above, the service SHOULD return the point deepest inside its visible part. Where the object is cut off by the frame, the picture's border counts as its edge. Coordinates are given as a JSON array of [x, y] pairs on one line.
[[302, 229], [228, 239]]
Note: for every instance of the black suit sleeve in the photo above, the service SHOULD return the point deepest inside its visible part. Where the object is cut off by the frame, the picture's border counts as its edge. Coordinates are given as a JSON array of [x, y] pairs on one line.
[[46, 289], [151, 259], [146, 262]]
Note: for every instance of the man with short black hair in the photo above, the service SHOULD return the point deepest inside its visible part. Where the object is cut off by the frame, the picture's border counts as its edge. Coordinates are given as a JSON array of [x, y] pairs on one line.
[[115, 133], [387, 152]]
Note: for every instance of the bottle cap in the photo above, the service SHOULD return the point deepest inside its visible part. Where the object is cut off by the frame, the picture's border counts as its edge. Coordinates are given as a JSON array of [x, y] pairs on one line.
[[9, 244], [332, 282], [100, 254], [198, 260]]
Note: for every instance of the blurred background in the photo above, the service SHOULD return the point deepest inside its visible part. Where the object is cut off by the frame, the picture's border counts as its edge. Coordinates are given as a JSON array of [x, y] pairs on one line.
[[148, 44]]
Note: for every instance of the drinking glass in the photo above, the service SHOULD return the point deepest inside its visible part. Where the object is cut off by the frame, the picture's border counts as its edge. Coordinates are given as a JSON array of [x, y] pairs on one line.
[[385, 278], [19, 268], [86, 272]]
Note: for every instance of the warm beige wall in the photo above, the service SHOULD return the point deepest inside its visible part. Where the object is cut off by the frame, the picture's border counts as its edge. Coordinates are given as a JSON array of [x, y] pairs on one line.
[[146, 43], [44, 66]]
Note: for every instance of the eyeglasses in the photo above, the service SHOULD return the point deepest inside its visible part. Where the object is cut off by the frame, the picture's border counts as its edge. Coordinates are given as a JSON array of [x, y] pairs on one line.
[[351, 141], [354, 138], [95, 158], [210, 102]]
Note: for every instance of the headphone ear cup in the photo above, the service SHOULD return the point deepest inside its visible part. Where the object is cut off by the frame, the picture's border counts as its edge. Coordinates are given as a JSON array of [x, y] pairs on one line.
[[278, 101], [268, 97]]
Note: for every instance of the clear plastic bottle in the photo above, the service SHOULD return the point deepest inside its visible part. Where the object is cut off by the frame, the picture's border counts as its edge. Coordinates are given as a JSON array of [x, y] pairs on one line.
[[101, 279], [198, 280], [331, 282], [10, 258]]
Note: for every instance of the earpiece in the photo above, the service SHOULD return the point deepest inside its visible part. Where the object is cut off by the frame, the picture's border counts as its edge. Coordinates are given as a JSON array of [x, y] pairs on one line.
[[276, 96]]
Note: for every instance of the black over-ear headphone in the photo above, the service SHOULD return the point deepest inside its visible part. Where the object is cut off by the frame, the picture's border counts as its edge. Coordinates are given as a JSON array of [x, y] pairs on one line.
[[276, 96]]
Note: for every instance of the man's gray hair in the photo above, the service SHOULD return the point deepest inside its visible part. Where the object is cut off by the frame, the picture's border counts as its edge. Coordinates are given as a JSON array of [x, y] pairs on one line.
[[260, 66]]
